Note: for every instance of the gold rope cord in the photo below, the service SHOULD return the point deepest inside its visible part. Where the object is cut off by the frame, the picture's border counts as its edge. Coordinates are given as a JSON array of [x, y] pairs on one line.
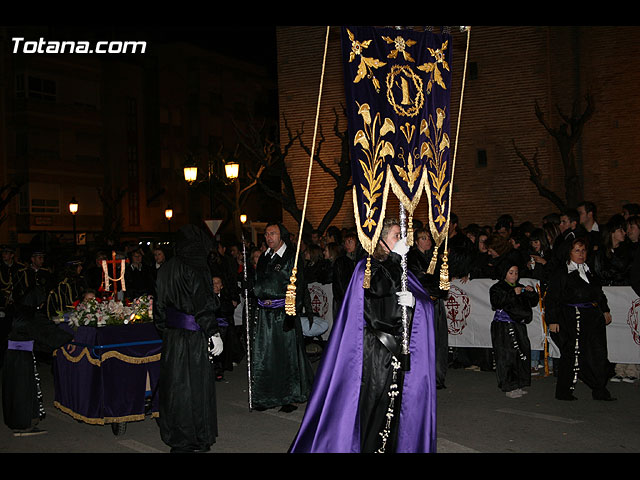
[[84, 353], [290, 298], [444, 271]]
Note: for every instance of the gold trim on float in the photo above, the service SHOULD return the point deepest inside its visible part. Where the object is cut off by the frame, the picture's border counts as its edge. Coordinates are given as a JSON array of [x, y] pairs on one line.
[[105, 420]]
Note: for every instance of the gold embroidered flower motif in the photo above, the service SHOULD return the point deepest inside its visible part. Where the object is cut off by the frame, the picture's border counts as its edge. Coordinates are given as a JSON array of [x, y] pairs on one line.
[[435, 156], [400, 45], [366, 63], [375, 150], [432, 68]]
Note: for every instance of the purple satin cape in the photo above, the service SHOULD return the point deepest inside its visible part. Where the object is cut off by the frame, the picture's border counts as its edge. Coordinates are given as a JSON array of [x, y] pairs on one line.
[[331, 423]]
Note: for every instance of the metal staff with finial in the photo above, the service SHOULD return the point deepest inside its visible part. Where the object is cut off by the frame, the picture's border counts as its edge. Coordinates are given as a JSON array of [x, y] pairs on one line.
[[243, 219]]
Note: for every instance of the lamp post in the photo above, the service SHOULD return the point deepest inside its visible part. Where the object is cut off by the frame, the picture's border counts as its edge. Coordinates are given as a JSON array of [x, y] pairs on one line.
[[168, 214], [190, 170], [73, 208]]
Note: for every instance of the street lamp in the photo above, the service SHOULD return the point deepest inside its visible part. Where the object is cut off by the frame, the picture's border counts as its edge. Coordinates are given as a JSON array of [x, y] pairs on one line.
[[243, 218], [190, 173], [168, 214], [73, 208], [231, 169]]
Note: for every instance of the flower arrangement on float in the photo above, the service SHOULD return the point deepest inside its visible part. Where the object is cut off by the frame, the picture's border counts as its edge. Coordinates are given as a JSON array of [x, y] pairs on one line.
[[92, 312]]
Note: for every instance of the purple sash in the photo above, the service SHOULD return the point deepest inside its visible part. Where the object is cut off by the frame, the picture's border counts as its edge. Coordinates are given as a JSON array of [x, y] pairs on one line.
[[331, 423], [178, 319], [26, 345], [583, 305], [501, 316], [222, 322], [277, 303]]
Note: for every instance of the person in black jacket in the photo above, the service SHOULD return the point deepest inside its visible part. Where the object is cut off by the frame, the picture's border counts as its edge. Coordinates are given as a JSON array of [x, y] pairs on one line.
[[418, 261], [343, 268], [185, 312], [577, 313], [513, 303], [233, 350], [138, 277]]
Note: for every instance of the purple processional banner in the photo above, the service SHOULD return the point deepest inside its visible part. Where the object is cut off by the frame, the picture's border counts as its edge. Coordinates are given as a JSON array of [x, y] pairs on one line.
[[397, 86]]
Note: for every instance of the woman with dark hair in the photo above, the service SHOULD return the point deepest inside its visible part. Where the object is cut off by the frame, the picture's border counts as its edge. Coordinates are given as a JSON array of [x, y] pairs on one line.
[[482, 266], [612, 261], [364, 399], [539, 266], [577, 314], [316, 268]]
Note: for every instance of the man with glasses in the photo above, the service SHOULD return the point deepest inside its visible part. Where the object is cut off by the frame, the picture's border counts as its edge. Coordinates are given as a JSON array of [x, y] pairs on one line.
[[282, 373]]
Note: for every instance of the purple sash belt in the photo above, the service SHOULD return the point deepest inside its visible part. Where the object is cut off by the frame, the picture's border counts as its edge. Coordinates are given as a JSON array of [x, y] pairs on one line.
[[277, 303], [26, 345], [222, 322], [178, 319], [502, 316], [583, 305]]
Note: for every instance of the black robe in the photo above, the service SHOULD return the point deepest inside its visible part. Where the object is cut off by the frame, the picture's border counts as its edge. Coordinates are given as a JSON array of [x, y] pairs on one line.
[[22, 400], [418, 263], [188, 417], [564, 290], [510, 341], [281, 371], [383, 316]]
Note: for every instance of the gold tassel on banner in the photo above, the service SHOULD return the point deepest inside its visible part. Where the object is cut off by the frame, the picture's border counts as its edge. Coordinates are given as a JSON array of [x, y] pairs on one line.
[[290, 297], [366, 283], [410, 230], [434, 260], [444, 272]]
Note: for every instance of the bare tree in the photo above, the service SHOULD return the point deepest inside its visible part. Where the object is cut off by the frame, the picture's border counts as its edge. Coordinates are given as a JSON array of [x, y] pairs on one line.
[[342, 176], [111, 211], [566, 136], [7, 192]]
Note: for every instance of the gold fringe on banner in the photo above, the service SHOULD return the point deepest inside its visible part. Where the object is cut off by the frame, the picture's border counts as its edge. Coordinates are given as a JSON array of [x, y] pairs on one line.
[[290, 298]]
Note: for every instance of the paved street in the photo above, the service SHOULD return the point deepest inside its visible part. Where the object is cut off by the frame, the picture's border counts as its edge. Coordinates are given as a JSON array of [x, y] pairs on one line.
[[473, 417]]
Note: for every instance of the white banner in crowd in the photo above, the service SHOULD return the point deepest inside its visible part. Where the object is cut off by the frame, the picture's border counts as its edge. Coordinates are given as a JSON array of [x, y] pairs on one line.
[[469, 317]]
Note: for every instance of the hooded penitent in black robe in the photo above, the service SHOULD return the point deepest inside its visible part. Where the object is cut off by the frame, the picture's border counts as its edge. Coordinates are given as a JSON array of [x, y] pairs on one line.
[[511, 345], [418, 263], [571, 302], [281, 371], [185, 313], [22, 401]]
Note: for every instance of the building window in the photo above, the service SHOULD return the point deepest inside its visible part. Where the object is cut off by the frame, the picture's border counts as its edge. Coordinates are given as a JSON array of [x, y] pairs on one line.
[[473, 70], [40, 199], [481, 158], [35, 88]]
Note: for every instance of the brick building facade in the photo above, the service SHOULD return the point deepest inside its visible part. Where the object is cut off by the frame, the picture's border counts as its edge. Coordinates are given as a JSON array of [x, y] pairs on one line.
[[509, 70]]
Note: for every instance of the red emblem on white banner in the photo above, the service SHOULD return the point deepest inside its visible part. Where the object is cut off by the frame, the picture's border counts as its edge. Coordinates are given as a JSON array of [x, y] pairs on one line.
[[458, 308], [632, 320]]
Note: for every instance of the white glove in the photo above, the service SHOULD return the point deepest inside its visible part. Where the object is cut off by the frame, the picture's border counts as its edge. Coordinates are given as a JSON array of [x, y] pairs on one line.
[[401, 247], [406, 299], [215, 345]]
